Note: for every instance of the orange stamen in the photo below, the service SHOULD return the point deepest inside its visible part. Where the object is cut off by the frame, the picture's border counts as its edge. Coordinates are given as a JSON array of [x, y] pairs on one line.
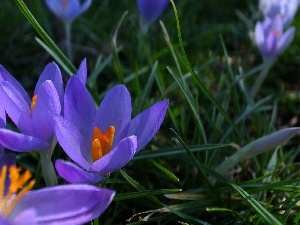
[[276, 33], [101, 143], [20, 184], [33, 102], [65, 4]]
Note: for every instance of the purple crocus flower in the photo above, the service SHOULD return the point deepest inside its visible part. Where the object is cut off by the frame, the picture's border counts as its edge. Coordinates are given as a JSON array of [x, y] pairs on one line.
[[271, 39], [60, 205], [150, 11], [67, 10], [102, 140], [286, 9], [33, 117]]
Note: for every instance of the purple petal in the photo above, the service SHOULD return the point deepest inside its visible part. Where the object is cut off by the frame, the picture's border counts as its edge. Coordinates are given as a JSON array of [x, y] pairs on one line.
[[285, 40], [119, 156], [6, 76], [80, 108], [277, 25], [16, 107], [26, 217], [7, 159], [52, 73], [64, 13], [82, 72], [260, 37], [73, 143], [4, 221], [291, 10], [2, 116], [69, 11], [47, 106], [20, 142], [84, 6], [151, 10], [115, 110], [270, 46], [146, 124], [65, 204], [267, 25], [74, 174]]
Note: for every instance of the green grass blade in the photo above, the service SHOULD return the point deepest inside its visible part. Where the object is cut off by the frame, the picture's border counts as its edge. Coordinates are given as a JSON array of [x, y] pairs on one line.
[[187, 93], [265, 214], [139, 187], [142, 194], [197, 164], [177, 151], [199, 83], [55, 56], [164, 170]]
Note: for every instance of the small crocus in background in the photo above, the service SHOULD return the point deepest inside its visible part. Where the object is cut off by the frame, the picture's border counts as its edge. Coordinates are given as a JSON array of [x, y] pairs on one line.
[[270, 35], [103, 140], [150, 11], [271, 40], [286, 9], [67, 11], [64, 204], [33, 117]]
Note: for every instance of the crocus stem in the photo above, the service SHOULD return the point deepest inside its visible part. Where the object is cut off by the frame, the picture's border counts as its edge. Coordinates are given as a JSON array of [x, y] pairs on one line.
[[67, 25], [261, 77], [48, 168], [144, 27]]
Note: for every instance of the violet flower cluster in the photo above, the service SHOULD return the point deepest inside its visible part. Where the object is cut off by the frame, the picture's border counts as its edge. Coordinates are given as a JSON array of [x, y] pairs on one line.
[[270, 36], [99, 141]]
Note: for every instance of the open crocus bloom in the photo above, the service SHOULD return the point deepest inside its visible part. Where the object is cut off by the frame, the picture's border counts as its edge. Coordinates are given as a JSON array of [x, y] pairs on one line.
[[33, 117], [67, 10], [102, 140], [65, 204], [271, 39]]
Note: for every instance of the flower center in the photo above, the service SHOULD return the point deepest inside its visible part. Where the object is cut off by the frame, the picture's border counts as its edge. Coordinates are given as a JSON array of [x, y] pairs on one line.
[[276, 33], [65, 4], [33, 102], [101, 143], [19, 184]]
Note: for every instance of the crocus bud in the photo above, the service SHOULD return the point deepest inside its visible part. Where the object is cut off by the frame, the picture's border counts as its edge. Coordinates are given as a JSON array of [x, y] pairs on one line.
[[270, 37], [151, 10]]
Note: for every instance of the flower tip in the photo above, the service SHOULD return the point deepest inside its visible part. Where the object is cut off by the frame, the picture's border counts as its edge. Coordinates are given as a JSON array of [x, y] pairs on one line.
[[151, 10]]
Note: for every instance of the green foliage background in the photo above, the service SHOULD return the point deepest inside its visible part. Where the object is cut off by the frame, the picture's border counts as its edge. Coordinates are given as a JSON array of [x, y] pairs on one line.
[[171, 179]]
